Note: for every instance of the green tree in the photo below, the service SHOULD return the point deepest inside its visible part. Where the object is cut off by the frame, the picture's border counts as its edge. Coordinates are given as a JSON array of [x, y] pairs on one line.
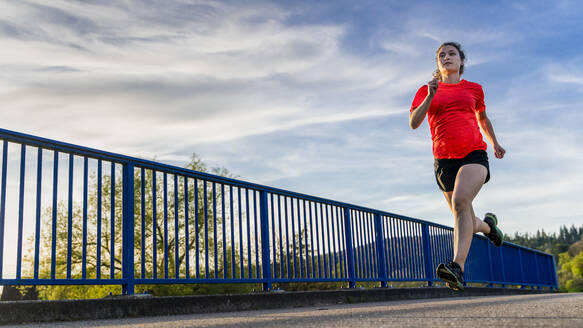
[[99, 263], [571, 272]]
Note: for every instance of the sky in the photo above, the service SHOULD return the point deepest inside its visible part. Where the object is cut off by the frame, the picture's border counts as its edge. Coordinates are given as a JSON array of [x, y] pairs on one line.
[[308, 96]]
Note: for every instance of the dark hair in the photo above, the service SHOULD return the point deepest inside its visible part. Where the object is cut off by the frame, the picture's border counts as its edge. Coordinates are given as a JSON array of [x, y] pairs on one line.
[[437, 73]]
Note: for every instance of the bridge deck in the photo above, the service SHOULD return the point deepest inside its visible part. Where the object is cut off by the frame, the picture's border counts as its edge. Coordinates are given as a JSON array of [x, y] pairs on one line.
[[545, 310], [148, 306]]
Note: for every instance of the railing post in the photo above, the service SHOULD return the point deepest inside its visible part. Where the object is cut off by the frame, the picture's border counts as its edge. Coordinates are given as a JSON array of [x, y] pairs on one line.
[[427, 254], [502, 267], [265, 260], [128, 229], [380, 239], [349, 248]]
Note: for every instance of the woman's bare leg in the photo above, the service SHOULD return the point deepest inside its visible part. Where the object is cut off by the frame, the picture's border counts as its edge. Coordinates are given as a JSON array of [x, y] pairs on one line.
[[469, 181]]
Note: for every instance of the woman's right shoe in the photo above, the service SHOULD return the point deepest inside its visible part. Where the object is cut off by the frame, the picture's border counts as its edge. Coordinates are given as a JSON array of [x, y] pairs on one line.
[[452, 274], [495, 235]]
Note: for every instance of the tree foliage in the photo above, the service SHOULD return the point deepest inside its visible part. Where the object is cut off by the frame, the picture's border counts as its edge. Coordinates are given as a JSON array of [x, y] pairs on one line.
[[109, 239], [567, 246]]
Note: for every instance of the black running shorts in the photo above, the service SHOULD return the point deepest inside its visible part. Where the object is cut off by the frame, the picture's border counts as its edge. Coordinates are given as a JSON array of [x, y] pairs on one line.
[[446, 168]]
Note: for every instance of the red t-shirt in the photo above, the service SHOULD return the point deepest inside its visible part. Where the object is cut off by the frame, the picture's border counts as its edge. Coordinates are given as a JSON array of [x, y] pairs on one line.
[[452, 118]]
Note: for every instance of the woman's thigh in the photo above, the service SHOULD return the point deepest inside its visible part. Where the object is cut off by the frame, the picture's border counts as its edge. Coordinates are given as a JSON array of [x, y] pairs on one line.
[[469, 180]]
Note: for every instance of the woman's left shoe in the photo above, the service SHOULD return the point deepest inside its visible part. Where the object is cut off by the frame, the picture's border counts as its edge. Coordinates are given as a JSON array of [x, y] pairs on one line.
[[495, 235]]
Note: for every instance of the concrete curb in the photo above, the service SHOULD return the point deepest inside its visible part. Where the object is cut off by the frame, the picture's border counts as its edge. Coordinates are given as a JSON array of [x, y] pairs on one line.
[[141, 306]]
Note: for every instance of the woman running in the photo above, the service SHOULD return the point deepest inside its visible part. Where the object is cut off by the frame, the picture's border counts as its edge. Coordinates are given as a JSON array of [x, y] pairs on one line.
[[456, 112]]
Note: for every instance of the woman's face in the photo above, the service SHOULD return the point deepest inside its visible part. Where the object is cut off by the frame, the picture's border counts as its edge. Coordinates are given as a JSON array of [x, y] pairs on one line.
[[448, 60]]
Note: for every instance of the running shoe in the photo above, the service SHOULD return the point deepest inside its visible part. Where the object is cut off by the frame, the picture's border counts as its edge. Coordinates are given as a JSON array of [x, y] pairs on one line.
[[452, 274], [495, 235]]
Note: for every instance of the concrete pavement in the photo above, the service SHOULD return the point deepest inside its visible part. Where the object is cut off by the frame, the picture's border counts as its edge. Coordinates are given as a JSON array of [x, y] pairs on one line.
[[544, 310]]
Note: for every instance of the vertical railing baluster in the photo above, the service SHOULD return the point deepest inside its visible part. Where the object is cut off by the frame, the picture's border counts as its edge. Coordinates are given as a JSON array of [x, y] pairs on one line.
[[99, 201], [20, 211], [112, 225], [143, 225], [240, 232], [249, 261], [176, 230], [224, 217], [394, 249], [206, 231], [233, 261], [39, 173], [329, 251], [3, 205], [306, 240], [281, 258], [70, 217], [265, 240], [196, 228], [301, 259], [287, 238], [335, 236], [323, 242], [293, 237], [342, 242], [361, 246], [387, 245], [318, 242], [84, 256], [186, 229], [313, 246], [373, 247], [154, 228], [356, 243], [165, 182], [216, 258], [256, 232], [128, 224]]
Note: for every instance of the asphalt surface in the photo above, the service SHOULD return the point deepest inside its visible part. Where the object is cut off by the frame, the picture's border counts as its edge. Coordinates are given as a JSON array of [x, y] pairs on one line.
[[545, 310]]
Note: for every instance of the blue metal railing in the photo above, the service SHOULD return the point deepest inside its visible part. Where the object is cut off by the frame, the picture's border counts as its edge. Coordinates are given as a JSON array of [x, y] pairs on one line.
[[96, 217]]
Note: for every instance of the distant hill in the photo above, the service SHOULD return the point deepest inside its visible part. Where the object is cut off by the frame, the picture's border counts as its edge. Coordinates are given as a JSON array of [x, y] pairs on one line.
[[551, 243]]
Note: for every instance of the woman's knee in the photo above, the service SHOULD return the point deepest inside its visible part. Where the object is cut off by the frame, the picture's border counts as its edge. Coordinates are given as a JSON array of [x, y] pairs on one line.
[[461, 202]]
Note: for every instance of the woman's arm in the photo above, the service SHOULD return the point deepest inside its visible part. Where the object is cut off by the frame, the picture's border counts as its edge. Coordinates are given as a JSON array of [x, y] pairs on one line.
[[488, 130], [418, 114]]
